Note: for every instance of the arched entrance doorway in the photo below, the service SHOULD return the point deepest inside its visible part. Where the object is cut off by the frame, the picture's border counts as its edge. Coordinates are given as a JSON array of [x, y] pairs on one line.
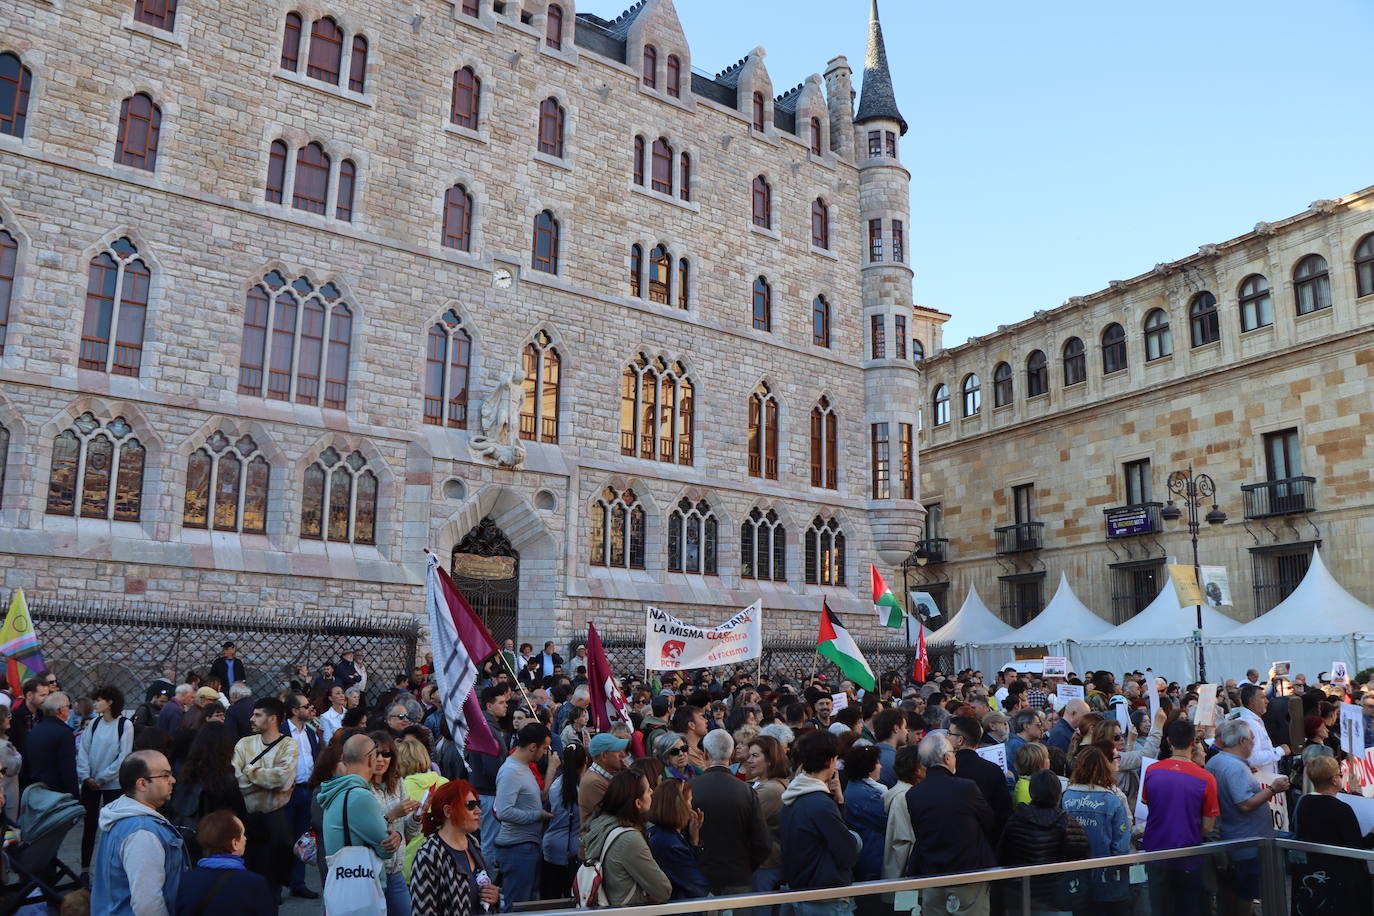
[[486, 569]]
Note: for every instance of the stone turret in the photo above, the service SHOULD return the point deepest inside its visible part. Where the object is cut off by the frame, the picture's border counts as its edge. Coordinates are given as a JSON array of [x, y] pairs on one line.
[[839, 95], [891, 380]]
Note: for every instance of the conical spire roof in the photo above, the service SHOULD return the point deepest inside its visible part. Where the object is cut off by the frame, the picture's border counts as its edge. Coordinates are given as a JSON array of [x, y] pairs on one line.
[[877, 100]]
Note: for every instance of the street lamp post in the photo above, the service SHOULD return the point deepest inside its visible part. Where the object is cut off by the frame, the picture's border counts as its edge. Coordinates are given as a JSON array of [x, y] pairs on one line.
[[1192, 490], [920, 557]]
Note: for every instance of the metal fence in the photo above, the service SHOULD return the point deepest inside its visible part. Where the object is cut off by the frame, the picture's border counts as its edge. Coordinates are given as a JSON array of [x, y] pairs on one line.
[[129, 643], [796, 658]]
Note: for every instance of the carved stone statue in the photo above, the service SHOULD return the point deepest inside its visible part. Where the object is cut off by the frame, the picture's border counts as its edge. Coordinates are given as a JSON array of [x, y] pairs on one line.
[[500, 416]]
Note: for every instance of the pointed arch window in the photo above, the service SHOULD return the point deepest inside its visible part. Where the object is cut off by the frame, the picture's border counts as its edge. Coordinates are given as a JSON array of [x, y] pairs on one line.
[[276, 172], [116, 309], [339, 501], [1159, 340], [639, 160], [825, 453], [543, 376], [140, 125], [284, 350], [763, 546], [763, 305], [357, 65], [16, 82], [660, 275], [763, 433], [1113, 349], [684, 177], [759, 111], [815, 136], [9, 259], [326, 50], [458, 218], [820, 322], [636, 270], [650, 70], [674, 76], [820, 223], [291, 42], [692, 538], [97, 471], [1037, 374], [617, 530], [1312, 285], [1203, 320], [656, 405], [467, 98], [551, 128], [226, 486], [1256, 305], [684, 276], [662, 174], [544, 255], [825, 560], [160, 14], [1001, 385], [311, 192], [972, 389], [762, 203], [448, 356], [1364, 265], [553, 26], [348, 182], [939, 404], [1075, 362]]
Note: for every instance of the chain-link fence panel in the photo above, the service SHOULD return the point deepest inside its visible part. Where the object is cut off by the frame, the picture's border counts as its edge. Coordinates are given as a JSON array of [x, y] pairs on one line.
[[129, 644]]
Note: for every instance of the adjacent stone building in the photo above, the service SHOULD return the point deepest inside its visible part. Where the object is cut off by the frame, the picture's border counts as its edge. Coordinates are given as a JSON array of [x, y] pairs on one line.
[[291, 292], [1047, 445]]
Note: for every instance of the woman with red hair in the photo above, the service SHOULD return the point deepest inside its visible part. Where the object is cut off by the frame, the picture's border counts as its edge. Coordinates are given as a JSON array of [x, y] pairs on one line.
[[449, 876]]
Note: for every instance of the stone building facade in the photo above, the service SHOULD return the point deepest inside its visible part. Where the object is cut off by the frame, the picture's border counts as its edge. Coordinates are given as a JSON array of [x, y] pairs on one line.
[[1047, 445], [293, 292]]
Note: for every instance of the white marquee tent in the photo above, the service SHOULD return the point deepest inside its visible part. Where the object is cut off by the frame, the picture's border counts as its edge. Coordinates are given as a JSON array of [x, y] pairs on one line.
[[974, 624], [1159, 637], [1063, 619]]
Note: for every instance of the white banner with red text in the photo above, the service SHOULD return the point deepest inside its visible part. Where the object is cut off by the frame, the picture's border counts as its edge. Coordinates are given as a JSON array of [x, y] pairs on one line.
[[672, 645]]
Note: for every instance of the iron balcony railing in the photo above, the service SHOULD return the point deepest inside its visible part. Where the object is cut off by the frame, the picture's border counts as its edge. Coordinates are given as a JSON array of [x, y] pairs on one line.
[[937, 549], [1133, 521], [1288, 496], [1020, 538]]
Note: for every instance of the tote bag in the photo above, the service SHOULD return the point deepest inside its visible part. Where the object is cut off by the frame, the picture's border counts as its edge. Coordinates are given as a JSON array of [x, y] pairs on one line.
[[353, 878]]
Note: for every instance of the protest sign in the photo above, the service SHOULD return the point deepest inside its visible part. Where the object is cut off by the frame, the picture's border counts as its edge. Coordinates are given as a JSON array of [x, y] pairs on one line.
[[1352, 729], [671, 645], [1141, 809], [1055, 666], [1339, 673], [838, 701], [1205, 713], [997, 753], [1070, 692], [1123, 718], [1152, 693], [1280, 669], [1216, 586], [1278, 804], [923, 604], [1185, 585]]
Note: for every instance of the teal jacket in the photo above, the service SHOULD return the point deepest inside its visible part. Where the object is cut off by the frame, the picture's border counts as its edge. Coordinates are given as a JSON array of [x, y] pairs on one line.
[[365, 821]]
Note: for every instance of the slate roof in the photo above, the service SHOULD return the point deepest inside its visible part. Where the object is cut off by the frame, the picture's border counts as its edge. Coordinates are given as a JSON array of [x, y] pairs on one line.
[[877, 100]]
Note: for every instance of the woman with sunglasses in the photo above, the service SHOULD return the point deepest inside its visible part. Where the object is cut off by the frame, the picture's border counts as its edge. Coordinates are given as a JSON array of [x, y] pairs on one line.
[[449, 877], [671, 749], [400, 811]]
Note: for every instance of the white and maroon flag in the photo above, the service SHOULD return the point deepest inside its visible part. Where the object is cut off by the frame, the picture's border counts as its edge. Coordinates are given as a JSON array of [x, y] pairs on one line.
[[459, 641], [608, 703]]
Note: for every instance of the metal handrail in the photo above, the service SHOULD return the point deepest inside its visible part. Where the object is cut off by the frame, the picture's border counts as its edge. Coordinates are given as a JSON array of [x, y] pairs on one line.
[[1345, 852], [773, 898]]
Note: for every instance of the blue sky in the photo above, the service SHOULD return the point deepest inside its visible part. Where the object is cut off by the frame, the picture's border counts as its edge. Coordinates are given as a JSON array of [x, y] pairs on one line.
[[1057, 146]]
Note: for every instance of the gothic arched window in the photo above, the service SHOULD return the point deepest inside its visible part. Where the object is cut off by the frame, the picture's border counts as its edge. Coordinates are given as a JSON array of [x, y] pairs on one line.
[[763, 547], [467, 98], [544, 254], [97, 471], [458, 218], [692, 538], [326, 51], [820, 223], [824, 553], [116, 309], [551, 128], [661, 174], [763, 433], [617, 530], [233, 479], [656, 411], [539, 415], [825, 453], [448, 355], [763, 305], [140, 125], [339, 502], [293, 334], [16, 81], [660, 275]]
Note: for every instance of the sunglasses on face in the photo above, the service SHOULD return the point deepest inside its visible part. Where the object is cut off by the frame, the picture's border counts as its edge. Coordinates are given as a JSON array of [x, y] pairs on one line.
[[473, 804], [386, 754], [402, 716], [677, 750]]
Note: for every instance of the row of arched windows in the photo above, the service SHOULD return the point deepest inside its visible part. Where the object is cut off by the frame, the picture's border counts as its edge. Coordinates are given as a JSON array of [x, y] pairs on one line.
[[309, 178], [1255, 309], [672, 75], [656, 280], [665, 170], [324, 58], [98, 472], [619, 530]]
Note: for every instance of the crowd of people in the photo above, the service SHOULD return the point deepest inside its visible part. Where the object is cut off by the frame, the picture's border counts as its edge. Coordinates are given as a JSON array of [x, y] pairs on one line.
[[209, 799]]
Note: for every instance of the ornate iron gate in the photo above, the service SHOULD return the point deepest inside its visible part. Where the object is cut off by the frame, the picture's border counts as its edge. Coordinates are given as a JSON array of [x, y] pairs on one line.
[[486, 569]]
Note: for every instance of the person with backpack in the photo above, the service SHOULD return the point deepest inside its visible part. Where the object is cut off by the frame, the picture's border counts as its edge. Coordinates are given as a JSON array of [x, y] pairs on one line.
[[208, 782], [220, 884], [619, 863], [102, 748]]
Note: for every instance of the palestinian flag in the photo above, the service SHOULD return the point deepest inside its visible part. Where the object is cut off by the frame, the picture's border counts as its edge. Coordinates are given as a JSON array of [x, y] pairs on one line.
[[885, 604], [835, 643]]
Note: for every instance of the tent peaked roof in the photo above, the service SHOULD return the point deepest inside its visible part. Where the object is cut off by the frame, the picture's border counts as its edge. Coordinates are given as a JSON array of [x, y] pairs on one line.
[[1065, 617], [972, 625], [1317, 607], [1162, 618]]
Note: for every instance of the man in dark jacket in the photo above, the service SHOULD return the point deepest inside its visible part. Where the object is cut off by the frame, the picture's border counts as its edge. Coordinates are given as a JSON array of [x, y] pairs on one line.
[[961, 842], [23, 717], [52, 746], [482, 768], [227, 668], [346, 672], [964, 734], [239, 715], [817, 848], [1062, 733], [734, 838]]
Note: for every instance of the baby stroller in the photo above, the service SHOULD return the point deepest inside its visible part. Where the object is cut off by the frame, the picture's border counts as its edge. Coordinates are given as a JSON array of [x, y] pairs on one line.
[[45, 817]]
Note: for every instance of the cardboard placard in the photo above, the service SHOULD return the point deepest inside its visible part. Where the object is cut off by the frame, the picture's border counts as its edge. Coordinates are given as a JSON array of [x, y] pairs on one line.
[[838, 701], [1152, 694], [1070, 692], [1278, 805], [1352, 729], [1280, 669], [1339, 673], [1055, 666], [1123, 718], [1205, 713], [997, 753], [1216, 586]]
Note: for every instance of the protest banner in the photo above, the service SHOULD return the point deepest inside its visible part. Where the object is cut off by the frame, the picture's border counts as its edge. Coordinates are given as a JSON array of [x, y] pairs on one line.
[[1339, 673], [1278, 804], [1055, 666], [1185, 585], [1205, 713], [997, 753], [1216, 586], [672, 645], [1070, 692], [1352, 730]]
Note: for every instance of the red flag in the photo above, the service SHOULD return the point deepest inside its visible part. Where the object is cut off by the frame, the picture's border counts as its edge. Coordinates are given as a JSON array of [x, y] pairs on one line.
[[608, 704], [12, 676], [921, 670], [459, 642]]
